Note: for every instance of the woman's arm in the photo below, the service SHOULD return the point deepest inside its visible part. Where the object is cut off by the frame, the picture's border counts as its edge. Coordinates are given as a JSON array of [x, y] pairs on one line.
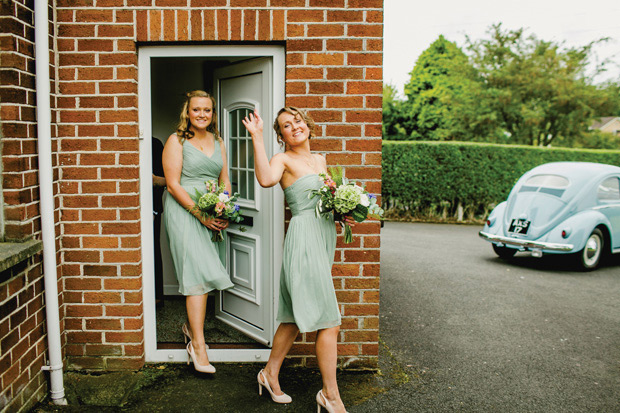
[[267, 173], [172, 161], [159, 181]]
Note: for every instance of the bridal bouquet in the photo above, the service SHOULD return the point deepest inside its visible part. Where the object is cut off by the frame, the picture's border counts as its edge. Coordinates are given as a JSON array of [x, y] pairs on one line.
[[217, 203], [346, 200]]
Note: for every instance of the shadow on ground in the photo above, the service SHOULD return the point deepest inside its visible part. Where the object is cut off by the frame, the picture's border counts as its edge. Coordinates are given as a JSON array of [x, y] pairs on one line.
[[178, 388], [555, 262]]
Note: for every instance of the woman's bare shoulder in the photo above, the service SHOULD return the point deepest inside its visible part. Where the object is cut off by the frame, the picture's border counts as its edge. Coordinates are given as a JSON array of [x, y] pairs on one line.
[[220, 140], [174, 139], [280, 157]]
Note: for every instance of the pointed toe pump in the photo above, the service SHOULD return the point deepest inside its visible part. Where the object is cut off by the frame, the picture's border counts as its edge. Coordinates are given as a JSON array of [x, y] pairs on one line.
[[262, 382], [203, 369]]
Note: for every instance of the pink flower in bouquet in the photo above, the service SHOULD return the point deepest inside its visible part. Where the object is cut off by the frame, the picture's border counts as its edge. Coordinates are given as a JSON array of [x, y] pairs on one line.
[[212, 186], [219, 207], [216, 202], [330, 183], [347, 201]]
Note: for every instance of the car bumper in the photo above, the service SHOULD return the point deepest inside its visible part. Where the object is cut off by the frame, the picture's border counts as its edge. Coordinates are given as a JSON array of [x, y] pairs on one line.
[[526, 244]]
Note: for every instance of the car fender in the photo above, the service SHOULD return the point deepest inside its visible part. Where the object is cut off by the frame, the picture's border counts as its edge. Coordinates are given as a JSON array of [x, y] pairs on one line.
[[497, 218], [580, 226]]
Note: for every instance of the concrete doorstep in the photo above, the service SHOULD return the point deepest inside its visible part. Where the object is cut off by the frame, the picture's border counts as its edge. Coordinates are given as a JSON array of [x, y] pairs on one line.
[[179, 388]]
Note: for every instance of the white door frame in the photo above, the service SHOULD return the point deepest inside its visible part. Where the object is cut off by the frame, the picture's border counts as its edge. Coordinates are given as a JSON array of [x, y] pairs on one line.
[[145, 53]]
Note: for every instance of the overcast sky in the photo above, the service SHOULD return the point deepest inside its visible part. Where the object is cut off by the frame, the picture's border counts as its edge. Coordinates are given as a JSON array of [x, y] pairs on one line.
[[412, 25]]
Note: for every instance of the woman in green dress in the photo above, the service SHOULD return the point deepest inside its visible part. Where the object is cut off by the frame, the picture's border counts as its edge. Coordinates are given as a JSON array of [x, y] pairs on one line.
[[192, 156], [307, 297]]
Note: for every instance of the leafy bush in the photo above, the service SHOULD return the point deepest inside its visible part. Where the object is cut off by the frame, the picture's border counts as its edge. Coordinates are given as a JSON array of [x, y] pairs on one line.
[[448, 180]]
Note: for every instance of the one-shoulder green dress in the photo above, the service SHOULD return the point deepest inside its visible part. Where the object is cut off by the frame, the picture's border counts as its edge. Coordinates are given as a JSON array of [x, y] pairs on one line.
[[198, 261], [307, 295]]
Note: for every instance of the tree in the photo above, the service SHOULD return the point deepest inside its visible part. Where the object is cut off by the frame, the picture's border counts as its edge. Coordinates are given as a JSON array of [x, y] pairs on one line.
[[441, 72], [596, 139], [538, 90], [506, 88], [393, 115]]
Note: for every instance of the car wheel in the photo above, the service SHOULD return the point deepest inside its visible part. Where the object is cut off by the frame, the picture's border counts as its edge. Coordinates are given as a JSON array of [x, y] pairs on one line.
[[590, 256], [504, 252]]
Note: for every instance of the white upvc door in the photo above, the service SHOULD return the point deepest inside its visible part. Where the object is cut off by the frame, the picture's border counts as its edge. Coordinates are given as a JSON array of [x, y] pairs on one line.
[[254, 257], [249, 307]]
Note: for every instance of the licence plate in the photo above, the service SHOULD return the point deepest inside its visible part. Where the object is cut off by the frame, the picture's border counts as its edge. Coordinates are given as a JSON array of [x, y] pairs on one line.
[[519, 226]]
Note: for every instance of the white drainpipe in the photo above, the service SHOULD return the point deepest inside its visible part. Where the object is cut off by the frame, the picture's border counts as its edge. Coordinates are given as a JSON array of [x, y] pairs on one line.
[[46, 176]]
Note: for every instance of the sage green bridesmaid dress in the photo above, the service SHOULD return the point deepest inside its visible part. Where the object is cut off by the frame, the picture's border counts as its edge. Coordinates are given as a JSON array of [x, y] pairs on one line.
[[198, 261], [307, 295]]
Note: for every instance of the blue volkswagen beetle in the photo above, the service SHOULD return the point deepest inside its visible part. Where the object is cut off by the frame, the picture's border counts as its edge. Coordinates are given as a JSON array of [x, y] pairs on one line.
[[560, 208]]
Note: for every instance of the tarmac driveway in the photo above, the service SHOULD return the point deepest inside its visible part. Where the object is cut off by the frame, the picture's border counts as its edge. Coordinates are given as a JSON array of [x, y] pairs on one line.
[[461, 331], [475, 333]]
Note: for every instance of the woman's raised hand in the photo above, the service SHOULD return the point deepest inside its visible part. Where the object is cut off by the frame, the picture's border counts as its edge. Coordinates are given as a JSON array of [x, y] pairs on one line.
[[254, 124], [267, 173]]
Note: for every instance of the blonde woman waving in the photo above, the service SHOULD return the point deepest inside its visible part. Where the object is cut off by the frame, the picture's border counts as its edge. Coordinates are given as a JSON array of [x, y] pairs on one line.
[[307, 297]]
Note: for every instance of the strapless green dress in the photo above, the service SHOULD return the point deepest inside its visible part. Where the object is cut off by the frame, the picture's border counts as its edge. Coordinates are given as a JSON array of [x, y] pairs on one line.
[[307, 296], [198, 261]]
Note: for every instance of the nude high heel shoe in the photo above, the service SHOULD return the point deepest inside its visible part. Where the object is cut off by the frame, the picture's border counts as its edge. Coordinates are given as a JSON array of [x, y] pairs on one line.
[[321, 401], [203, 369], [187, 333], [262, 382]]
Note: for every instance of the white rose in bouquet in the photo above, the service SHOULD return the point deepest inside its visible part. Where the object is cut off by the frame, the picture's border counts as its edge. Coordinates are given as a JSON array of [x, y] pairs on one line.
[[364, 200]]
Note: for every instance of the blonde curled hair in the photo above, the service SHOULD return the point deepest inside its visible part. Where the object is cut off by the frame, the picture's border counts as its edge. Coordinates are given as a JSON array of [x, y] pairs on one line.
[[183, 128], [295, 112]]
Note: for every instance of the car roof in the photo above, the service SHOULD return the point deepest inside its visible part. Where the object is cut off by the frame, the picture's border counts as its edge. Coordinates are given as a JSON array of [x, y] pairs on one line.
[[580, 174], [575, 171]]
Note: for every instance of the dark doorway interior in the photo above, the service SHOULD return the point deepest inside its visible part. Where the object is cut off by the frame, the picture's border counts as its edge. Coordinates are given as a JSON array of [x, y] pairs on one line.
[[171, 316], [172, 78]]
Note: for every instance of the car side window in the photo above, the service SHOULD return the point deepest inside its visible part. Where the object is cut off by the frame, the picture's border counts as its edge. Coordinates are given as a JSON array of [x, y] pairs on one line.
[[609, 189]]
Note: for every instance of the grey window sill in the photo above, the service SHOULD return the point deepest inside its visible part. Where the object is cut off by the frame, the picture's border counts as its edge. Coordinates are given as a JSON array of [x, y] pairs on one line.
[[12, 253]]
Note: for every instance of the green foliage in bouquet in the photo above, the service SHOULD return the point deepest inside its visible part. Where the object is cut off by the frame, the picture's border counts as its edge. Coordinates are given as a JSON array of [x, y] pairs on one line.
[[336, 174], [344, 199], [217, 203]]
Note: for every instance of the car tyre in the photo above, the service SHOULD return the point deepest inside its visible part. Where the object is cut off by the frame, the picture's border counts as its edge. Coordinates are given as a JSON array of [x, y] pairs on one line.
[[504, 252], [590, 256]]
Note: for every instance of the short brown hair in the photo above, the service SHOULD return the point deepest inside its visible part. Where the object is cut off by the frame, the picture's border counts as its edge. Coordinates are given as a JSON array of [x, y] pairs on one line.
[[295, 112]]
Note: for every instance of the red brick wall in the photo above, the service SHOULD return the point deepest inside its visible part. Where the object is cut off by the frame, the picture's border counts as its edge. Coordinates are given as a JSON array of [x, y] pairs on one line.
[[23, 344], [17, 113], [333, 56], [97, 123]]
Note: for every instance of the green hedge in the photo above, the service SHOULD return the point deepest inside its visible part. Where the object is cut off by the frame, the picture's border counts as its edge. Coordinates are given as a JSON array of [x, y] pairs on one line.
[[434, 178]]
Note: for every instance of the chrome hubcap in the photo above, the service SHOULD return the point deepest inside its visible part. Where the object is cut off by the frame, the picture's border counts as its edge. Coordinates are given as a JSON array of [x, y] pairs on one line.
[[592, 250]]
